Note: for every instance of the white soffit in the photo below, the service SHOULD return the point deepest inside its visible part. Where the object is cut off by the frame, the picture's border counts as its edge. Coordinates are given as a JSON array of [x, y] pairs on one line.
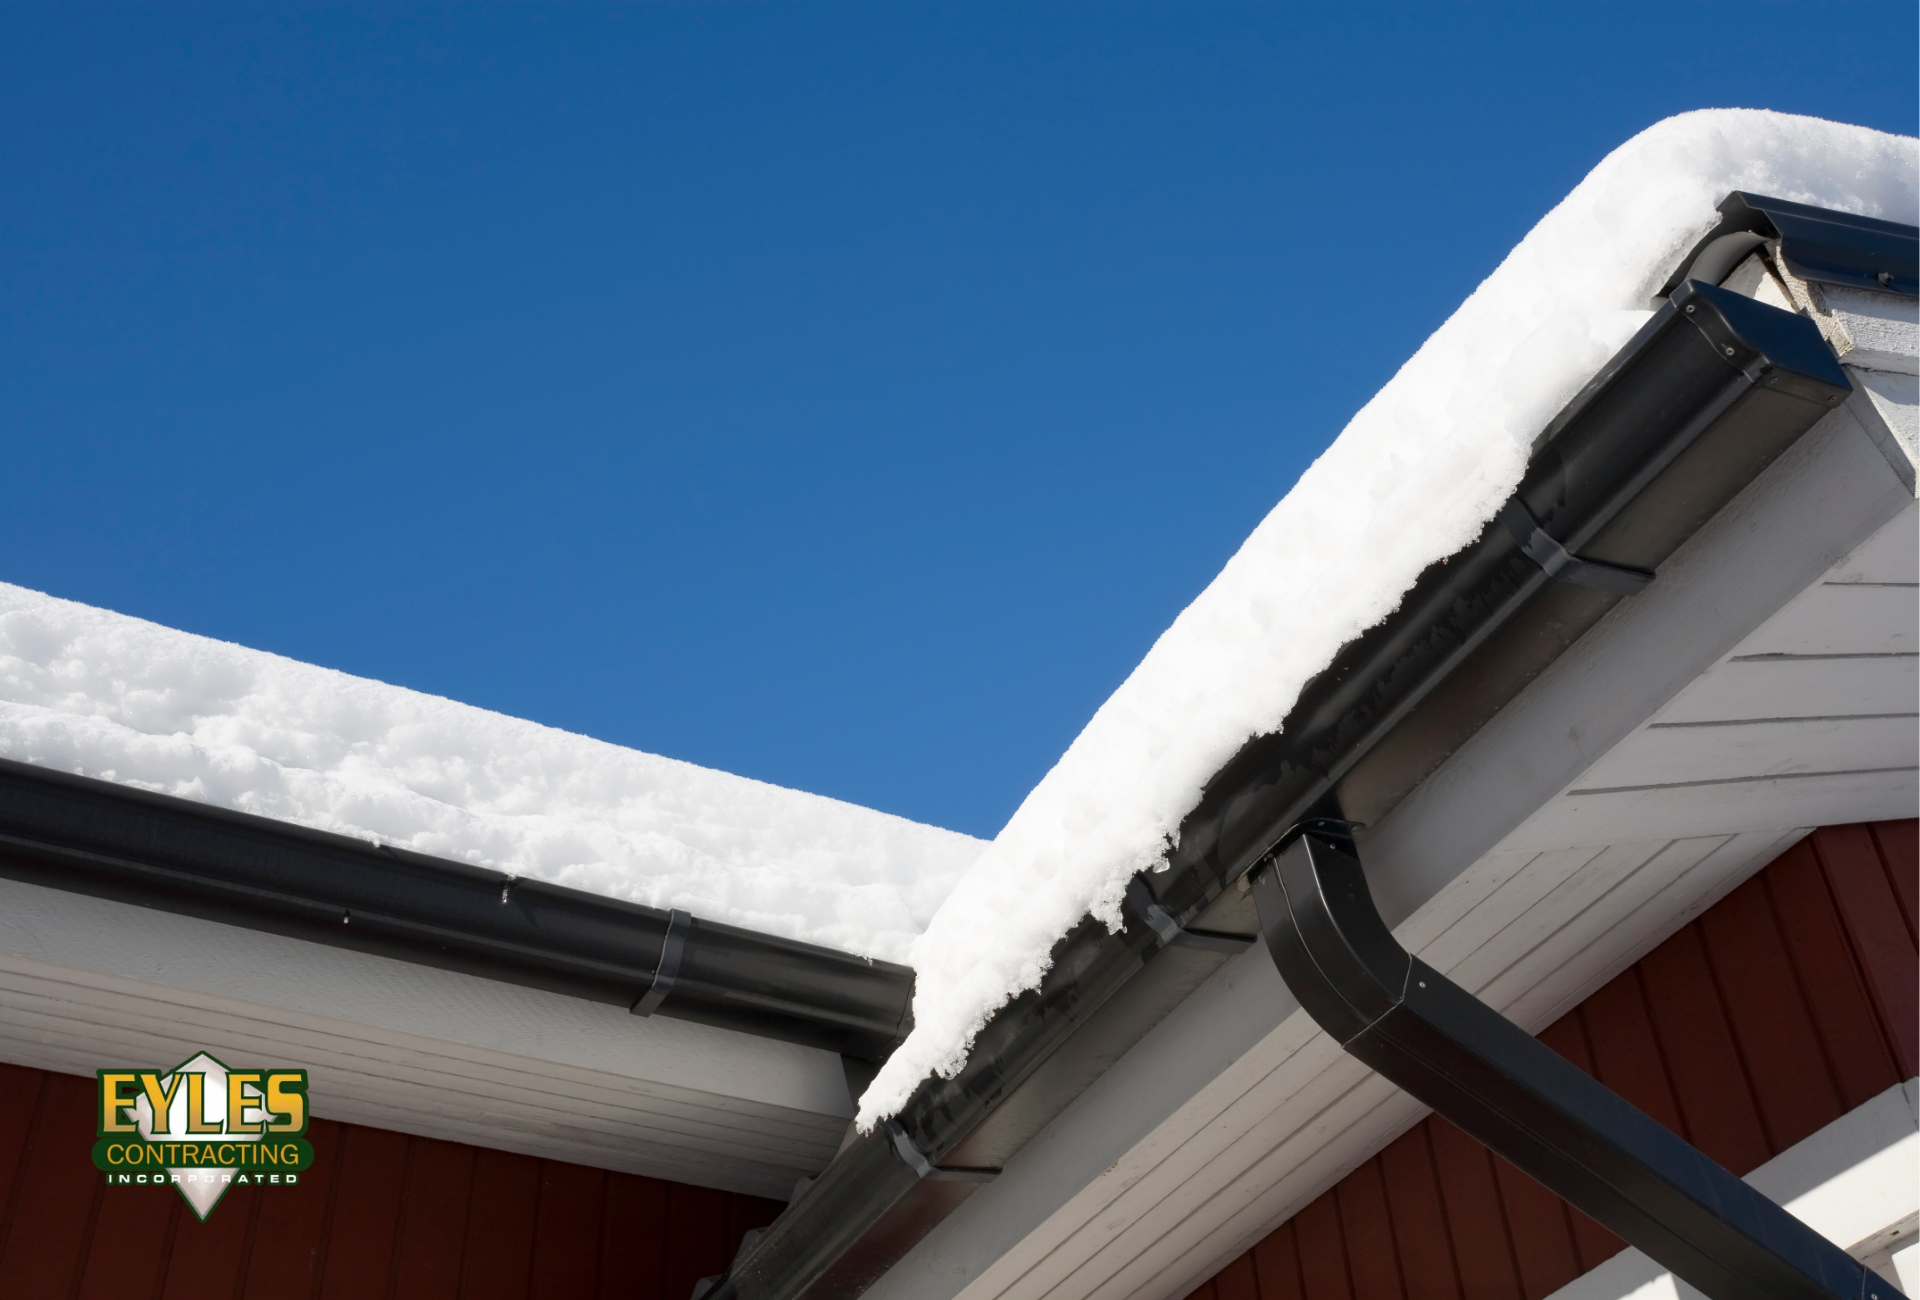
[[86, 983], [1764, 685]]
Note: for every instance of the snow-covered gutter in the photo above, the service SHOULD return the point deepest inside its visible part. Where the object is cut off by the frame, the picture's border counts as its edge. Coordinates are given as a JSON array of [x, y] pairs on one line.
[[96, 837], [1697, 403]]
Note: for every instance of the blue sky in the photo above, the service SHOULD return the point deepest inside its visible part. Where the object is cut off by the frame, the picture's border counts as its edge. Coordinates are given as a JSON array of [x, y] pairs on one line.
[[841, 395]]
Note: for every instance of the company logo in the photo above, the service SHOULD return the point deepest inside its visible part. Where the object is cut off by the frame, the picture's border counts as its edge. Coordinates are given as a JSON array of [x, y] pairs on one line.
[[202, 1128]]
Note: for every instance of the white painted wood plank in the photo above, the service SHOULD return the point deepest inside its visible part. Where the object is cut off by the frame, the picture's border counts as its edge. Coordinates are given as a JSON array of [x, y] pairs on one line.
[[1587, 955], [91, 996], [53, 1020], [622, 1138], [651, 1159], [634, 1148], [1593, 946], [201, 960], [1798, 688], [1590, 886], [1295, 1172], [419, 1084], [1467, 891], [1515, 897], [1767, 803], [1294, 1098], [1691, 752], [1842, 618], [338, 1074], [1253, 1207]]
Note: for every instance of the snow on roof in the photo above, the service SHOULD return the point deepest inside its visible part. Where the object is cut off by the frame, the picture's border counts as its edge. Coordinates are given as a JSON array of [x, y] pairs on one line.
[[1412, 478], [104, 695]]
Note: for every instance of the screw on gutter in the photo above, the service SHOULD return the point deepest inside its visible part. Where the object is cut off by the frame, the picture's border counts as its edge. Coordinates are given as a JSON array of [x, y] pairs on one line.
[[1729, 349], [1885, 277], [1689, 309]]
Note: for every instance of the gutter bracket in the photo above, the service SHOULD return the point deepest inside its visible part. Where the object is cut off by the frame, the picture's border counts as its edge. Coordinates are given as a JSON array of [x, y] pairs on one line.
[[916, 1160], [672, 946], [1557, 562], [1170, 932]]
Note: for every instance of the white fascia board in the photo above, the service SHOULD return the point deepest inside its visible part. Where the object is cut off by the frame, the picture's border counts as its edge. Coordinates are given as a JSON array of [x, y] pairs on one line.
[[1856, 1182], [88, 983], [1089, 1209]]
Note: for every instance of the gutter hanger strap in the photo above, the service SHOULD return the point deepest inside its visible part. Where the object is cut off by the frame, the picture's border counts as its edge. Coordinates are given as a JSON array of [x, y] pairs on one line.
[[1559, 563], [917, 1161], [1170, 932], [672, 945]]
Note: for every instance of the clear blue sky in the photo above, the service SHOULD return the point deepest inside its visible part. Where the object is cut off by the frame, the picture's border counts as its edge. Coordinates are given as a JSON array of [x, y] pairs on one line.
[[845, 396]]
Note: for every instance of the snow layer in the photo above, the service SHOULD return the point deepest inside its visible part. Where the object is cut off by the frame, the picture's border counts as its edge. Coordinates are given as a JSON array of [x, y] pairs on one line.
[[1413, 478], [88, 691]]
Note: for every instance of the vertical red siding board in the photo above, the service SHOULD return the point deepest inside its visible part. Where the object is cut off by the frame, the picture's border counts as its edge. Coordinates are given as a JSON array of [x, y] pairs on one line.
[[696, 1238], [1899, 845], [633, 1241], [566, 1240], [284, 1259], [1626, 1053], [1594, 1244], [498, 1263], [209, 1256], [368, 1191], [1205, 1291], [1419, 1220], [1235, 1280], [23, 1093], [1323, 1252], [1567, 1037], [19, 1097], [1542, 1237], [433, 1220], [1714, 1093], [1373, 1257], [1771, 1022], [1857, 1049], [128, 1246], [1276, 1264], [746, 1213], [1572, 1036], [1878, 932], [1474, 1216], [49, 1232]]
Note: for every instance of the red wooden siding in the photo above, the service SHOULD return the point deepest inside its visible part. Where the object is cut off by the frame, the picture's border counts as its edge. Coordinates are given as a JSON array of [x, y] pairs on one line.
[[425, 1220], [1785, 1005]]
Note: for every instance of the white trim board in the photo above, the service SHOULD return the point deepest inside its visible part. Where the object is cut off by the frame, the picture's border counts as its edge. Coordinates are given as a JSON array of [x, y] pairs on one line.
[[1856, 1182]]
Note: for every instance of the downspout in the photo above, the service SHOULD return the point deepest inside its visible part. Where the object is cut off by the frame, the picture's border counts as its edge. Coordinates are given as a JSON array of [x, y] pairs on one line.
[[1699, 402], [1522, 1099]]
